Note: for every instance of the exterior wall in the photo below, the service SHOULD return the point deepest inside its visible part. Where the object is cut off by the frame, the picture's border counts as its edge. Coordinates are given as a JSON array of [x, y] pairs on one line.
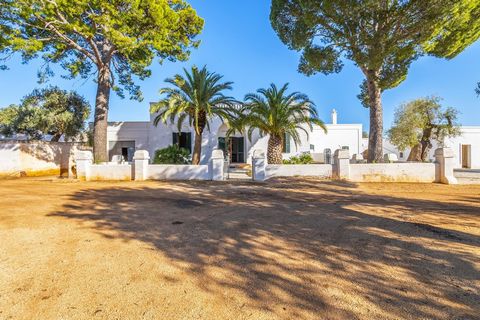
[[392, 172], [311, 170], [37, 158], [337, 136], [129, 131], [178, 172]]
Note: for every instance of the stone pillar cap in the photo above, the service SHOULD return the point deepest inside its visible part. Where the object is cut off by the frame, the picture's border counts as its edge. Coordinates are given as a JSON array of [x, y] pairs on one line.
[[217, 154], [141, 155], [342, 154]]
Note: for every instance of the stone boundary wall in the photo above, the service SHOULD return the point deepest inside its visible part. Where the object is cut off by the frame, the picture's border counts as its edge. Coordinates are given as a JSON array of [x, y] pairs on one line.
[[292, 170], [178, 172], [38, 158], [392, 172], [440, 171], [141, 169], [114, 172]]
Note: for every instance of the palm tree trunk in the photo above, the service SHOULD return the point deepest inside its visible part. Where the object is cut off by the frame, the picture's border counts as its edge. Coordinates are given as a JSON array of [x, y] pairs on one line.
[[274, 151], [197, 147]]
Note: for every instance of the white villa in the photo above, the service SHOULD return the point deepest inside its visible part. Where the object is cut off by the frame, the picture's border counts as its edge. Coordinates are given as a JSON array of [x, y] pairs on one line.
[[124, 138]]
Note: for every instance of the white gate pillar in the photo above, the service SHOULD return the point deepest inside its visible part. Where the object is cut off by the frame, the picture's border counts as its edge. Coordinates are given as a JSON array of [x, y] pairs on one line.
[[141, 158], [216, 165], [83, 161], [258, 165], [445, 166], [341, 160]]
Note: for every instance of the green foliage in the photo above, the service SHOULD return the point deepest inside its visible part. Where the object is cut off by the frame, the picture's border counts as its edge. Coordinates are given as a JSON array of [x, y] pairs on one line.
[[273, 111], [85, 36], [172, 155], [304, 158], [49, 111], [195, 97], [422, 120], [381, 37], [384, 36], [6, 31]]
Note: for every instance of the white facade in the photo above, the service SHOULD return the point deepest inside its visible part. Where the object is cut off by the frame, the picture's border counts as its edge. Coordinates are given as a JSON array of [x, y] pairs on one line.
[[126, 137]]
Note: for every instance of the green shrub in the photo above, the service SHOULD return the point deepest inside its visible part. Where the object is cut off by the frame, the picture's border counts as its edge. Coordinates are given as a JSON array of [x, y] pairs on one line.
[[172, 155], [304, 158]]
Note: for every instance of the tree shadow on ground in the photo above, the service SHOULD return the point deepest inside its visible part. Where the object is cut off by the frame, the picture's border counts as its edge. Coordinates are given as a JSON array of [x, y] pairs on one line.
[[311, 246]]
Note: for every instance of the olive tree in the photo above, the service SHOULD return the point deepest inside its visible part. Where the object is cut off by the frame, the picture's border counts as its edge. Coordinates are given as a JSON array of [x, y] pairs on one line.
[[420, 122]]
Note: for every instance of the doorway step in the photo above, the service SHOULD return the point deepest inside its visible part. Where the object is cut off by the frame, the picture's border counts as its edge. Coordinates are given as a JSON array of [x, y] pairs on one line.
[[240, 172]]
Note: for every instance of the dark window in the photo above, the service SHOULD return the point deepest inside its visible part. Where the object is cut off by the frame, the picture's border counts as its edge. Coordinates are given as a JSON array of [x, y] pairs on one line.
[[345, 148], [286, 143], [328, 156], [401, 154], [312, 147], [183, 139]]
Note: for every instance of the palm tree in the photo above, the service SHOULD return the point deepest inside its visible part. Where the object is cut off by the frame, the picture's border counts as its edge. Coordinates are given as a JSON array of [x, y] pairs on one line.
[[272, 111], [197, 97]]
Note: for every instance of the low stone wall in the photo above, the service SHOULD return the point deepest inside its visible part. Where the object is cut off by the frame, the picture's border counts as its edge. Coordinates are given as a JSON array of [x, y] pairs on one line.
[[440, 171], [178, 172], [113, 172], [292, 170], [392, 172], [141, 169], [37, 158]]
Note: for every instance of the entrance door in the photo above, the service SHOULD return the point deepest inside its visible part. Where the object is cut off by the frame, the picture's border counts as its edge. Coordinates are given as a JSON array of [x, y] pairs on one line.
[[237, 149], [466, 156]]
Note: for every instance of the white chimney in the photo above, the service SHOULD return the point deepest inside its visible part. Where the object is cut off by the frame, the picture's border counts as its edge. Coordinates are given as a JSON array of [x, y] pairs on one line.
[[334, 116]]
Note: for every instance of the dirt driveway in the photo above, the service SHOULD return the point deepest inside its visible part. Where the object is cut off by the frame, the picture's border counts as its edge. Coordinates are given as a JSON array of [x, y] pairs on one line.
[[292, 249]]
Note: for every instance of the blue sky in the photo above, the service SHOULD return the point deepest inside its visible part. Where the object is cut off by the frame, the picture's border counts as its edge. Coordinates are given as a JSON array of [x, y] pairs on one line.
[[239, 43]]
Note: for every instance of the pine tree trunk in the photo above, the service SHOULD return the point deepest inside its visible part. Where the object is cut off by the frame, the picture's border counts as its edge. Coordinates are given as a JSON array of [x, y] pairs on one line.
[[100, 123], [375, 138], [274, 151]]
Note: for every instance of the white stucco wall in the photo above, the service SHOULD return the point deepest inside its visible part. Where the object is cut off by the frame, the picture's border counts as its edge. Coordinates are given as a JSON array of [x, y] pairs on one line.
[[129, 131], [36, 158], [114, 172], [310, 170], [338, 136], [178, 172], [392, 172]]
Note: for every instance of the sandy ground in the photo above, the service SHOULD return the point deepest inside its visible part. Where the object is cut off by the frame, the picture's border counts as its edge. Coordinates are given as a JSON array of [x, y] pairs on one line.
[[293, 249]]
